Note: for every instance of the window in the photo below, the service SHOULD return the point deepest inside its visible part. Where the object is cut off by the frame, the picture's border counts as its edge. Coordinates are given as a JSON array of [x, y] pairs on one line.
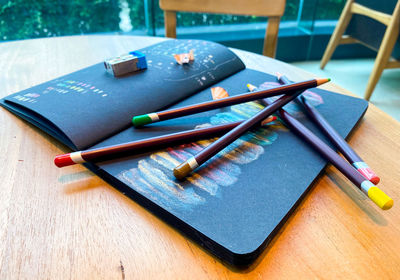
[[21, 19]]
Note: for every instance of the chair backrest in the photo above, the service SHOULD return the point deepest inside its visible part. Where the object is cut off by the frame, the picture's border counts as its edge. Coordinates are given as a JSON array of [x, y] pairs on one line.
[[273, 9], [371, 20]]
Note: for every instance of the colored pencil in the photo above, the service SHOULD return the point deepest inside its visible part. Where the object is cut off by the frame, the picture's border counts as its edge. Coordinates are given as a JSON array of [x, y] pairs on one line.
[[184, 169], [129, 148], [228, 101], [373, 192], [335, 138]]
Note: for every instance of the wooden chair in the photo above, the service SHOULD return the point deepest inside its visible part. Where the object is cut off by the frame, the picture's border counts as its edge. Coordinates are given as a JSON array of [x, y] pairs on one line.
[[382, 60], [273, 9]]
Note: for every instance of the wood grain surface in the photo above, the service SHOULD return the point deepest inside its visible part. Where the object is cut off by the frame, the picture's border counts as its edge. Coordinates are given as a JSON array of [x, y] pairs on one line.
[[69, 224]]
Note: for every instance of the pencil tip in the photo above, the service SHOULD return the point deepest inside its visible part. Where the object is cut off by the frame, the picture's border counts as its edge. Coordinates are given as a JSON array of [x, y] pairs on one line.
[[251, 87], [323, 81]]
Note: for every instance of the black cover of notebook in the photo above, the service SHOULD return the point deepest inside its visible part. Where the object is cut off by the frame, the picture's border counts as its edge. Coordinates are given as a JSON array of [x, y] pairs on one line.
[[235, 203]]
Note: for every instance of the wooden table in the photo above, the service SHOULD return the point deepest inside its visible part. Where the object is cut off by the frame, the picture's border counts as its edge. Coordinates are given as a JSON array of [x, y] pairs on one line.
[[68, 223]]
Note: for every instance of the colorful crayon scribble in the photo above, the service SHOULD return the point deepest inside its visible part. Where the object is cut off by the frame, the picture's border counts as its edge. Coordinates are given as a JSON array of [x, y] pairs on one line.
[[293, 107], [63, 86], [153, 175]]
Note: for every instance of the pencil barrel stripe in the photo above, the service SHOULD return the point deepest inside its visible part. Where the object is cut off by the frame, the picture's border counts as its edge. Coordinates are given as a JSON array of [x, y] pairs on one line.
[[366, 185], [360, 164], [366, 171], [154, 117], [77, 157], [192, 163]]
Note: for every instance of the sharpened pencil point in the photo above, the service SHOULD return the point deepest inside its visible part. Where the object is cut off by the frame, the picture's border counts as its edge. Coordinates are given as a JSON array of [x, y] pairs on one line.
[[322, 81], [251, 87]]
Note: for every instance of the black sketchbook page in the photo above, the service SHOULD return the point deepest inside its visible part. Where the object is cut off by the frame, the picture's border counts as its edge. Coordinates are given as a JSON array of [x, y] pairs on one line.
[[233, 205], [87, 106]]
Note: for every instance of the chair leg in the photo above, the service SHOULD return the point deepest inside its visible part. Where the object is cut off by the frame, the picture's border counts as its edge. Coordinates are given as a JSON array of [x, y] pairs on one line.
[[381, 60], [170, 24], [379, 66], [385, 50], [271, 37], [337, 33]]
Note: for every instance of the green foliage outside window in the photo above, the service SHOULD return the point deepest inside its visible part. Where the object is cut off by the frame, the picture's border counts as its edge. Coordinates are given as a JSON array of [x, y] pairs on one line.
[[330, 10], [137, 13], [21, 19]]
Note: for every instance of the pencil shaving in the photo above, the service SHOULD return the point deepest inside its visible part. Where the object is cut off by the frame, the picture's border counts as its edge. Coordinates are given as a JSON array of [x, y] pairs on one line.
[[218, 93], [268, 120], [184, 58]]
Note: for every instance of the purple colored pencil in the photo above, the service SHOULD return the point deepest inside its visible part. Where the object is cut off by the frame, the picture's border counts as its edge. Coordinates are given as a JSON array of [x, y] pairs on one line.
[[335, 138], [373, 192], [184, 169]]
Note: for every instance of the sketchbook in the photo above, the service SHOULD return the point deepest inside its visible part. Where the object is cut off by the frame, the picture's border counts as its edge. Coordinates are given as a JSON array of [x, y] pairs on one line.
[[233, 205]]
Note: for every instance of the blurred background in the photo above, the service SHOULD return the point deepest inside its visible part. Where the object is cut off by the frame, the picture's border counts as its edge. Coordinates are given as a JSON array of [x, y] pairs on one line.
[[304, 32], [306, 24]]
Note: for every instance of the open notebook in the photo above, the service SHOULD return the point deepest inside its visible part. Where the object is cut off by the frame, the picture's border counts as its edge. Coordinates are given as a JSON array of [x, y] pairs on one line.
[[232, 206]]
